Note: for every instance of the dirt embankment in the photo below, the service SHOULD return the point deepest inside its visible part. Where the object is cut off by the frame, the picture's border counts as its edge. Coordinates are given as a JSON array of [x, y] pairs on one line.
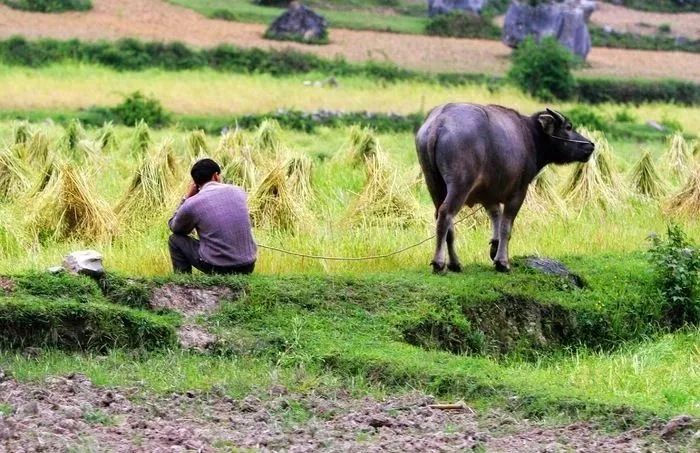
[[70, 413], [158, 20]]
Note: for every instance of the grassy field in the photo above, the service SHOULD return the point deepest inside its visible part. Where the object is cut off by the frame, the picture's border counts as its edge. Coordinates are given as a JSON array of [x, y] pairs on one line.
[[327, 222], [206, 92], [404, 17]]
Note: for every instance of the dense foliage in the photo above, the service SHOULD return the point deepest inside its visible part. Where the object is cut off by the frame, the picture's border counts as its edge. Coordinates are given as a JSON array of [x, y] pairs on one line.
[[138, 107], [677, 263], [50, 6], [543, 69]]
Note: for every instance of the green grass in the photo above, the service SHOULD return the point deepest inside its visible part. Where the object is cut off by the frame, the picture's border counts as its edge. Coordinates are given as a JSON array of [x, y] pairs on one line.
[[407, 18], [325, 334]]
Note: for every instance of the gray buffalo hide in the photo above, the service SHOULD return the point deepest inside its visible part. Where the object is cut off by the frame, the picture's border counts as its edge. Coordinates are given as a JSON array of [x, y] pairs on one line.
[[447, 6], [298, 22], [566, 21]]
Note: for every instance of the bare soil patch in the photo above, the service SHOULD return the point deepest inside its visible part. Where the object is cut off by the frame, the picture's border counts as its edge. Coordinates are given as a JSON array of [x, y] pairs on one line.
[[645, 22], [69, 413], [189, 301], [158, 20], [6, 285]]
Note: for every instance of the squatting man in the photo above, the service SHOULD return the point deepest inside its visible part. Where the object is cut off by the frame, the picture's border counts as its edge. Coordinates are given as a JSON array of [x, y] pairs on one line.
[[219, 214]]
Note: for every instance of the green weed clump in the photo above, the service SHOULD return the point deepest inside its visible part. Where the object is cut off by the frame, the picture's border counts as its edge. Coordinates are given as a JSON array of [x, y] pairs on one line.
[[677, 264], [645, 178], [543, 70], [138, 107]]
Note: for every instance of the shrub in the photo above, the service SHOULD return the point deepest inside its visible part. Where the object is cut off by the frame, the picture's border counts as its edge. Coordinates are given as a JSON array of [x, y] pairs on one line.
[[601, 90], [462, 25], [582, 115], [543, 70], [677, 267], [137, 107], [50, 6]]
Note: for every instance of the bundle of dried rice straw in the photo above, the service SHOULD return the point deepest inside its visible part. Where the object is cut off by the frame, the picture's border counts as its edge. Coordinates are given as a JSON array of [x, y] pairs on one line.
[[197, 144], [14, 173], [384, 198], [363, 144], [152, 187], [69, 208], [595, 180], [273, 205], [645, 178], [687, 200], [679, 155]]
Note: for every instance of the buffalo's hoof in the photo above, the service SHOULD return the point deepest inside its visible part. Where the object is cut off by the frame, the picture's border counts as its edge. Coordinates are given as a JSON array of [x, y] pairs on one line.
[[454, 267], [502, 266], [439, 268], [494, 248]]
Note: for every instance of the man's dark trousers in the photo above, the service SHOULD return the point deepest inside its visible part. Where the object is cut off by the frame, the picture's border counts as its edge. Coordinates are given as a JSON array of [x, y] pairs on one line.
[[184, 253]]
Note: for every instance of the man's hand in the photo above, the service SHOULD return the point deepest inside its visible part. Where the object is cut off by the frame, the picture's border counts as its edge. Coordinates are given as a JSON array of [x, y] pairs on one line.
[[192, 190]]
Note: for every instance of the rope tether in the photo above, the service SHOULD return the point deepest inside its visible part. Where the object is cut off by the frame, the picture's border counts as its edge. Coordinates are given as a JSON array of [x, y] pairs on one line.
[[362, 258]]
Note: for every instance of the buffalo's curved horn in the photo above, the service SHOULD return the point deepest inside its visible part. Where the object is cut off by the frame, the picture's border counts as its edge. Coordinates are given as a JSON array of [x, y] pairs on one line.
[[557, 115]]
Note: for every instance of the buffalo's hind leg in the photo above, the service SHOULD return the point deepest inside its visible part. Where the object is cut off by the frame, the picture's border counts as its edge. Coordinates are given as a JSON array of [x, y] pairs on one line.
[[453, 265], [495, 212], [510, 211], [445, 217]]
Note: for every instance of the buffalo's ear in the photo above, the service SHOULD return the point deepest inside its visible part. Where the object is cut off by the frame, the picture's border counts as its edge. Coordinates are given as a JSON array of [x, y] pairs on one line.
[[547, 122]]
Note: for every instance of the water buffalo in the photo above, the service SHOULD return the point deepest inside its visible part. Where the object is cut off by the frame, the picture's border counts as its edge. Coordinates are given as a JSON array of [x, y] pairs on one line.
[[489, 154]]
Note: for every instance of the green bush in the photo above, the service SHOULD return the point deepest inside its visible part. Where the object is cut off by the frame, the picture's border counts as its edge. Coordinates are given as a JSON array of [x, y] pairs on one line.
[[462, 25], [600, 90], [50, 6], [137, 107], [543, 70], [582, 115], [677, 264]]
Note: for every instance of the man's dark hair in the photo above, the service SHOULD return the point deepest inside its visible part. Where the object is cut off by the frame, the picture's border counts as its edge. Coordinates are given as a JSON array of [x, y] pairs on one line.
[[203, 170]]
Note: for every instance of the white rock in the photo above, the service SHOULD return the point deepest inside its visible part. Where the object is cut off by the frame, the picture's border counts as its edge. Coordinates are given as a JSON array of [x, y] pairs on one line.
[[84, 262]]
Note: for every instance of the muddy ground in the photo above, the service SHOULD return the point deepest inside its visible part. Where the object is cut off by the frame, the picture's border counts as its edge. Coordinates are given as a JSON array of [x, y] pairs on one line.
[[71, 414], [162, 21]]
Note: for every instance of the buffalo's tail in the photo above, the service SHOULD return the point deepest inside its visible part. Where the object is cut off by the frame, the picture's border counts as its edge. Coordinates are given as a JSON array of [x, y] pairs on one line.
[[427, 155]]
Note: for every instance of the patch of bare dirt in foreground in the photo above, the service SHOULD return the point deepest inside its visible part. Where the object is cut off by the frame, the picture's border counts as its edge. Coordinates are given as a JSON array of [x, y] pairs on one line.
[[70, 413], [158, 20]]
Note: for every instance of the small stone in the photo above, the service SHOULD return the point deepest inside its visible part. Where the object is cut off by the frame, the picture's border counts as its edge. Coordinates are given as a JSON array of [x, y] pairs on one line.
[[84, 262]]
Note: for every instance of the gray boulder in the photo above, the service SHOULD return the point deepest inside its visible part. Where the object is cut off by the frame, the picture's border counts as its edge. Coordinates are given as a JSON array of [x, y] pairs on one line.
[[84, 262], [298, 23], [565, 21], [447, 6]]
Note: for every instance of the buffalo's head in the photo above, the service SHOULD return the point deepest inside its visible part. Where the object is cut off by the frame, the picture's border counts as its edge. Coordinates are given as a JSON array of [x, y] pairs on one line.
[[563, 143]]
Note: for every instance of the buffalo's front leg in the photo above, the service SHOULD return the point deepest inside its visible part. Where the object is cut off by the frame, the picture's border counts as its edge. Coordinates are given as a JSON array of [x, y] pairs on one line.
[[495, 212], [445, 217], [510, 210]]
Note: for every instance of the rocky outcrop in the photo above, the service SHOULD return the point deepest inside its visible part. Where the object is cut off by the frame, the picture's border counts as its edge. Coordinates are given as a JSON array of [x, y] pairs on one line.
[[84, 262], [448, 6], [299, 23], [566, 21]]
